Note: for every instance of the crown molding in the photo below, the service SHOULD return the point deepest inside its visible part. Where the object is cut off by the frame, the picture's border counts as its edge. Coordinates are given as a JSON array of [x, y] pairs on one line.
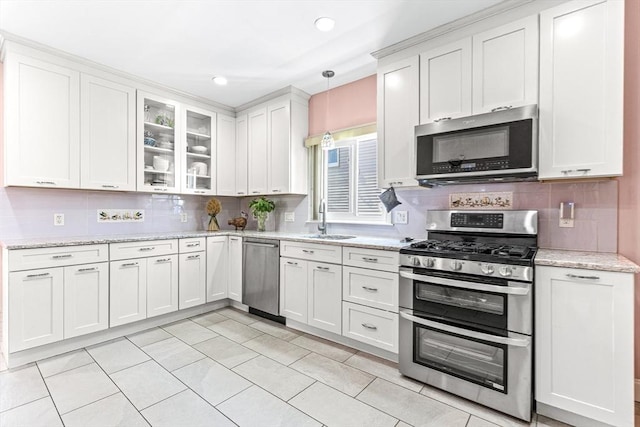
[[450, 27]]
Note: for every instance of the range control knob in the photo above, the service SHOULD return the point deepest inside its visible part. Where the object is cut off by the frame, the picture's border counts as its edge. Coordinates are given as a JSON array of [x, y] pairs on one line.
[[429, 262], [456, 265], [487, 269], [505, 271], [416, 261]]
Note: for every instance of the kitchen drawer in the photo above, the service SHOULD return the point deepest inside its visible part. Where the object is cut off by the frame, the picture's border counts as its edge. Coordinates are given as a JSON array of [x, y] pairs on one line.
[[371, 258], [378, 328], [128, 250], [377, 289], [311, 251], [28, 259], [192, 245]]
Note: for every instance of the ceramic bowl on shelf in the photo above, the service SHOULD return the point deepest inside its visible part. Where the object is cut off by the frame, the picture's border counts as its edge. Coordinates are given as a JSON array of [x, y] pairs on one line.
[[199, 149]]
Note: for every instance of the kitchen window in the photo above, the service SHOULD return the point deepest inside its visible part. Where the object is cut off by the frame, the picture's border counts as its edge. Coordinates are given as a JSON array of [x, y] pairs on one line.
[[347, 178]]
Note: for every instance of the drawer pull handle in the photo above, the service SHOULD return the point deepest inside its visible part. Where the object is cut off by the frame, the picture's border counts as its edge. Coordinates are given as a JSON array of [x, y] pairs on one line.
[[292, 263], [129, 264], [506, 107], [62, 256], [191, 245], [46, 183], [370, 289], [31, 276], [146, 249], [369, 326], [110, 186], [323, 268], [84, 270], [307, 251], [366, 259], [441, 119], [193, 256], [577, 276], [163, 260]]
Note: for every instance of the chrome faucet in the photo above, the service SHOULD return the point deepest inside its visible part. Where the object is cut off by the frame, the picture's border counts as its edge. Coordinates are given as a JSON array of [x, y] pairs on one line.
[[323, 212]]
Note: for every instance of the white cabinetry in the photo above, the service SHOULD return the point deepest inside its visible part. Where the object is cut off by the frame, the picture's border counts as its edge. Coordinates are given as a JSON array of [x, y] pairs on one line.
[[108, 135], [86, 299], [581, 89], [217, 268], [193, 272], [445, 82], [242, 155], [505, 66], [398, 113], [370, 294], [258, 154], [226, 156], [235, 268], [584, 345], [42, 123]]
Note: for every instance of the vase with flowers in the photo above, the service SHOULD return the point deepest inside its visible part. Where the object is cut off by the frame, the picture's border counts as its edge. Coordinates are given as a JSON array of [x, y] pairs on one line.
[[261, 207], [213, 209]]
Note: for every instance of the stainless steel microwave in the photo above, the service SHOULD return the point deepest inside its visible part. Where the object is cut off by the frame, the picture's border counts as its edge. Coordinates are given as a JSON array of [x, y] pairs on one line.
[[500, 146]]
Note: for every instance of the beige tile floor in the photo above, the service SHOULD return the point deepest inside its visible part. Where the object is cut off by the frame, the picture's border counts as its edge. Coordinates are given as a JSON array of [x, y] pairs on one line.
[[228, 368]]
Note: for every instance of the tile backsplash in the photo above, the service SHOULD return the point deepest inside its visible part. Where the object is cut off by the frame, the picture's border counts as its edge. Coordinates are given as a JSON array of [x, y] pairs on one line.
[[28, 212]]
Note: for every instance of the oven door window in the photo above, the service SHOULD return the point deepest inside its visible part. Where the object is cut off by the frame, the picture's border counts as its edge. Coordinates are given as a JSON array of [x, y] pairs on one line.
[[473, 360], [477, 307]]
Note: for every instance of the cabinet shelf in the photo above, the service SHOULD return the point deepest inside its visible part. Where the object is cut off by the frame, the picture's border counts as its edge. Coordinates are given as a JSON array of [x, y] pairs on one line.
[[200, 156], [157, 126], [199, 135]]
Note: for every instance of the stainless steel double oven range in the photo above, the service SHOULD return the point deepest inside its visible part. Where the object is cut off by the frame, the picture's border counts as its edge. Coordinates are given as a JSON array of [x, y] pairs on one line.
[[466, 307]]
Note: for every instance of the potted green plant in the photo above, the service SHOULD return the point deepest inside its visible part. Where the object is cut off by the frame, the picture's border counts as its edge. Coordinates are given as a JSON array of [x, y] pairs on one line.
[[260, 208]]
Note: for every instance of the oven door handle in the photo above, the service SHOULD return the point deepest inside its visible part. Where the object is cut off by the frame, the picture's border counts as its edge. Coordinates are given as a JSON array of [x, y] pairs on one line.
[[514, 342], [510, 290]]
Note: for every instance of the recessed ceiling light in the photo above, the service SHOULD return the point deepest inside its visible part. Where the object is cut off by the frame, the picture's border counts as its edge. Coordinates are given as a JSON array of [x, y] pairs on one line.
[[325, 23], [219, 80]]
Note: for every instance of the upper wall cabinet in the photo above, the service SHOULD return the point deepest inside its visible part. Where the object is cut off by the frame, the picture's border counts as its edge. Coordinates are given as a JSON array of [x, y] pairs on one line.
[[581, 89], [42, 123], [198, 154], [505, 66], [445, 82], [226, 156], [108, 135], [398, 114]]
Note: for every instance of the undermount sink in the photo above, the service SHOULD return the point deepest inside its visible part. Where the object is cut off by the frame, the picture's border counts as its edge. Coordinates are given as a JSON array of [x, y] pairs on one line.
[[330, 236]]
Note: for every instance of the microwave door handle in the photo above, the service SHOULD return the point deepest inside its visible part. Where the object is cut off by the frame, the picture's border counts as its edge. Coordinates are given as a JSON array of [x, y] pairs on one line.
[[513, 342], [509, 290]]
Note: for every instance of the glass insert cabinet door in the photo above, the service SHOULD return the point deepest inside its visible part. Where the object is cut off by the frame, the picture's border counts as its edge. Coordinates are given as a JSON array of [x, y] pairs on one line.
[[158, 144], [198, 161]]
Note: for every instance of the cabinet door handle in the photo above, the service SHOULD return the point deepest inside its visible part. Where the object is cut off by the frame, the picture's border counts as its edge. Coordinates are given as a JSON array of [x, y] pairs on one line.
[[110, 186], [46, 183], [505, 107], [369, 326], [366, 259], [163, 260], [61, 256], [307, 251], [129, 264], [441, 119], [577, 276], [191, 245], [370, 289], [292, 263], [193, 256], [323, 268], [84, 270], [31, 276], [150, 248]]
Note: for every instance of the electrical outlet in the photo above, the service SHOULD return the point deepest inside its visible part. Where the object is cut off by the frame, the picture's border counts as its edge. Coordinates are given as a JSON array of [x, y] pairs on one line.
[[289, 216], [400, 217], [566, 223], [58, 219], [183, 217]]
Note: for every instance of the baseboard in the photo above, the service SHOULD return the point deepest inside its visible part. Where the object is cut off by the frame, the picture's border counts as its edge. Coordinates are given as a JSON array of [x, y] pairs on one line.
[[637, 390]]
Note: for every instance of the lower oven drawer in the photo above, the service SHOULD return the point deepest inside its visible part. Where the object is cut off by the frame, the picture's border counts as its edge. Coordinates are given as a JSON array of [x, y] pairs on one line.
[[378, 328]]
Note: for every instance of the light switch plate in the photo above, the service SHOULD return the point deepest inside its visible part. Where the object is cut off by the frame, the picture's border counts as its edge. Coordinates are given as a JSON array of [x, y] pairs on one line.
[[400, 217], [58, 219], [289, 217]]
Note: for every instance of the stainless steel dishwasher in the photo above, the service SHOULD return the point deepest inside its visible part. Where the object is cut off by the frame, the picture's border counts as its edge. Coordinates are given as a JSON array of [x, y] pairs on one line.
[[261, 275]]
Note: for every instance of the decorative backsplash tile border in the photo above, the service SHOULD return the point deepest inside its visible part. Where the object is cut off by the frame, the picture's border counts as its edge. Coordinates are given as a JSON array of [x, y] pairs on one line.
[[484, 200], [120, 215]]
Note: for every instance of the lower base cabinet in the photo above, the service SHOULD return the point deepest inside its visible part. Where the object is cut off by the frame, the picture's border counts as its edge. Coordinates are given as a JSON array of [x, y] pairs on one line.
[[86, 299], [584, 344]]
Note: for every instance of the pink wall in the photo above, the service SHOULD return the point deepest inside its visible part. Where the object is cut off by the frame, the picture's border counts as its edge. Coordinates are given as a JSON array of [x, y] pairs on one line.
[[629, 190], [350, 105]]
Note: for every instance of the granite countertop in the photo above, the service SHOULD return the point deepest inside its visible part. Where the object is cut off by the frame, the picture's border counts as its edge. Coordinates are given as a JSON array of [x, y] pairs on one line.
[[588, 260], [393, 244]]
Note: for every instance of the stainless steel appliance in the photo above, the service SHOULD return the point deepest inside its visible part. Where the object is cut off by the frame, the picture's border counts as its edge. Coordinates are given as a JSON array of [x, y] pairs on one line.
[[497, 146], [466, 307], [261, 275]]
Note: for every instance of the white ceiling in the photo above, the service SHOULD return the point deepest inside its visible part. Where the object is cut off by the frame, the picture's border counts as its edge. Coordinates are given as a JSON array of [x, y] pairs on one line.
[[259, 45]]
